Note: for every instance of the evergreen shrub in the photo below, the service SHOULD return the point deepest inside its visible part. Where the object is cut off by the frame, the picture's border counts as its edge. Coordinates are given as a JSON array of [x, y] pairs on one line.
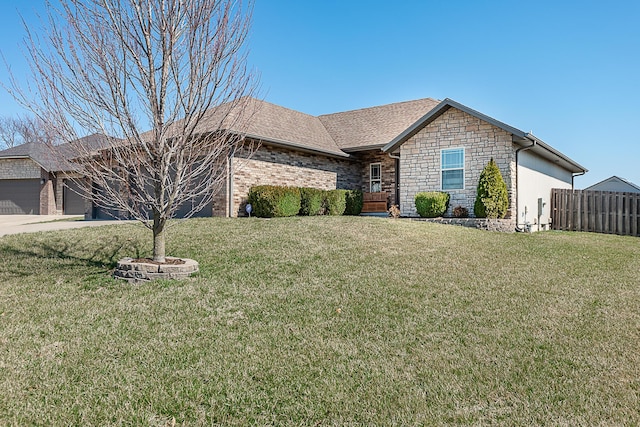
[[354, 200], [336, 201], [432, 204], [492, 199], [274, 201], [311, 201]]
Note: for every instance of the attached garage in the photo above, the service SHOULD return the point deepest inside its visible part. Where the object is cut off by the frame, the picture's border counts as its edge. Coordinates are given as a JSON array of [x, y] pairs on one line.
[[72, 201], [189, 205], [20, 197]]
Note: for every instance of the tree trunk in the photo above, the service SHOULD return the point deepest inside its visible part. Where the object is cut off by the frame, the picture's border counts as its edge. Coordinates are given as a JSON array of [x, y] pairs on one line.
[[158, 239]]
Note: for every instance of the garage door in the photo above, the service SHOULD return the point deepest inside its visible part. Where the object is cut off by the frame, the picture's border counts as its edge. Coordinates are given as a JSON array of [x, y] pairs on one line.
[[72, 201], [190, 204], [20, 197]]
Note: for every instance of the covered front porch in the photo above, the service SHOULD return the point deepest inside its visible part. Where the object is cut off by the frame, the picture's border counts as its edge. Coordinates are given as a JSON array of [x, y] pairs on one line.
[[379, 181]]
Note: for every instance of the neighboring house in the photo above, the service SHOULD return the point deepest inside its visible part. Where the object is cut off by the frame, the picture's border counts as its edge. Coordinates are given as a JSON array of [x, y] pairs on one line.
[[397, 150], [616, 184], [35, 180]]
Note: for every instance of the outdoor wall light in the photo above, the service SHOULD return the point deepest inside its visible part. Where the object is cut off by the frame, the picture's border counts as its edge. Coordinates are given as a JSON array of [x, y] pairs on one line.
[[42, 181]]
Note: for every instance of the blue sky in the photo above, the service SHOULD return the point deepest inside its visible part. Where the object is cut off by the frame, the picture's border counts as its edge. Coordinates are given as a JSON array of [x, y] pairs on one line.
[[568, 71]]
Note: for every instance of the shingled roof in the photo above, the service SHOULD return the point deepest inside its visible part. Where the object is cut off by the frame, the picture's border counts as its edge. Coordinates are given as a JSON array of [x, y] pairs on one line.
[[334, 134], [370, 128], [54, 158], [42, 154], [276, 125]]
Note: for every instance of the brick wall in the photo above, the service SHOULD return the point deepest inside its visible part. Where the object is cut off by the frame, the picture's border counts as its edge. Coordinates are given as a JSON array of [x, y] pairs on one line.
[[420, 159], [48, 195], [270, 165], [219, 200]]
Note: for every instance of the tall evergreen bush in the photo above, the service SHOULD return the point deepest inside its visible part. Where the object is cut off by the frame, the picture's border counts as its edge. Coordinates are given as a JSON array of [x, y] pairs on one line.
[[492, 199]]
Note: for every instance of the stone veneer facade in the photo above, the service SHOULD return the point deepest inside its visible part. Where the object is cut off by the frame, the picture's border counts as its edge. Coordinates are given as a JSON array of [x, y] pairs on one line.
[[270, 165], [420, 159]]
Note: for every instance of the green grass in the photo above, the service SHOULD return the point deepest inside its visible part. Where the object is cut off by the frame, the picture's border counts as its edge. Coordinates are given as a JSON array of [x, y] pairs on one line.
[[322, 321]]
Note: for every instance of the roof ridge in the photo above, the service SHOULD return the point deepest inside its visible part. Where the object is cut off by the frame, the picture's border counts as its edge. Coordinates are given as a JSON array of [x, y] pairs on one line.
[[279, 106], [381, 106]]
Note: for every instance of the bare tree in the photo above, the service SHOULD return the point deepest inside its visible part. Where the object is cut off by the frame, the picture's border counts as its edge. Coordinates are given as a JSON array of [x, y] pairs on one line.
[[16, 130], [118, 67]]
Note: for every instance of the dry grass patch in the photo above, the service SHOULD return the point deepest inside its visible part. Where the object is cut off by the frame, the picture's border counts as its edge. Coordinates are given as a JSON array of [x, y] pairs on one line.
[[322, 321]]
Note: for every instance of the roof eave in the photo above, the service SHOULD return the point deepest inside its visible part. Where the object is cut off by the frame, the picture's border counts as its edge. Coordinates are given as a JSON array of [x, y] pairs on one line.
[[518, 135], [363, 148], [436, 112], [298, 147], [555, 155], [26, 157]]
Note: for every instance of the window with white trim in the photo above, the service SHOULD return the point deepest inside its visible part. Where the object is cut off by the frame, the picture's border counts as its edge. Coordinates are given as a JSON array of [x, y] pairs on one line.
[[375, 177], [452, 169]]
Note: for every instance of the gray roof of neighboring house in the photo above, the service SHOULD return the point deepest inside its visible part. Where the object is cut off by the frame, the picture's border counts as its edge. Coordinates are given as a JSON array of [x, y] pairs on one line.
[[54, 158], [615, 180], [524, 139], [43, 154], [374, 127]]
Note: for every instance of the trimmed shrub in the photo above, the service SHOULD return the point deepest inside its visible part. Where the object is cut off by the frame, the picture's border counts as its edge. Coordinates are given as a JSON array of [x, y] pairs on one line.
[[354, 202], [336, 201], [492, 199], [432, 204], [274, 201], [460, 212], [311, 201]]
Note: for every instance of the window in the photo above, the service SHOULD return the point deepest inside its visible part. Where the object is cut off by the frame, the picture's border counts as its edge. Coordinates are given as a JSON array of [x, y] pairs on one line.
[[375, 177], [452, 167]]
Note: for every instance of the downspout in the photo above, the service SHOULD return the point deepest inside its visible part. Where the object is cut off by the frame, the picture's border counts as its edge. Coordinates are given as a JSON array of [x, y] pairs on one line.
[[528, 147], [574, 175], [230, 184]]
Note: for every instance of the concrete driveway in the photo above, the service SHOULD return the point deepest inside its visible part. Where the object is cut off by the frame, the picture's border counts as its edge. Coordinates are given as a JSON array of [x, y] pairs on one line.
[[15, 224]]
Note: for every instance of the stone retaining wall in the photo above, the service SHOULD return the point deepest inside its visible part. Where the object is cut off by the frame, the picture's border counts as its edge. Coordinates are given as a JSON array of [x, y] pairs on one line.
[[501, 225], [135, 272]]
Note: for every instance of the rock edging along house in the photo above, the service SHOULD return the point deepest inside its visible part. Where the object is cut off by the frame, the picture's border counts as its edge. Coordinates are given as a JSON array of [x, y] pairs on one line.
[[397, 149]]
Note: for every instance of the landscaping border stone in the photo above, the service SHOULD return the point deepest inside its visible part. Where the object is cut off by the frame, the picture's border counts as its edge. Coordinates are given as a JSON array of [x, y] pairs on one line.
[[134, 271], [501, 225]]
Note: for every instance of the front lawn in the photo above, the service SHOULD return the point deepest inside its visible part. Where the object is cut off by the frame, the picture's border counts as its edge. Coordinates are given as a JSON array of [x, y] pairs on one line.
[[322, 321]]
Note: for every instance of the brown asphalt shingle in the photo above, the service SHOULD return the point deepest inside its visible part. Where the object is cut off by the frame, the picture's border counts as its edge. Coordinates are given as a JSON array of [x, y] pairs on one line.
[[334, 134], [278, 124], [330, 133], [375, 126]]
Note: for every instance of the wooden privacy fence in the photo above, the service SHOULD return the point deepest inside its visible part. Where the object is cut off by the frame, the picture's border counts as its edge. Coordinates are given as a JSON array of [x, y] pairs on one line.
[[597, 211]]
